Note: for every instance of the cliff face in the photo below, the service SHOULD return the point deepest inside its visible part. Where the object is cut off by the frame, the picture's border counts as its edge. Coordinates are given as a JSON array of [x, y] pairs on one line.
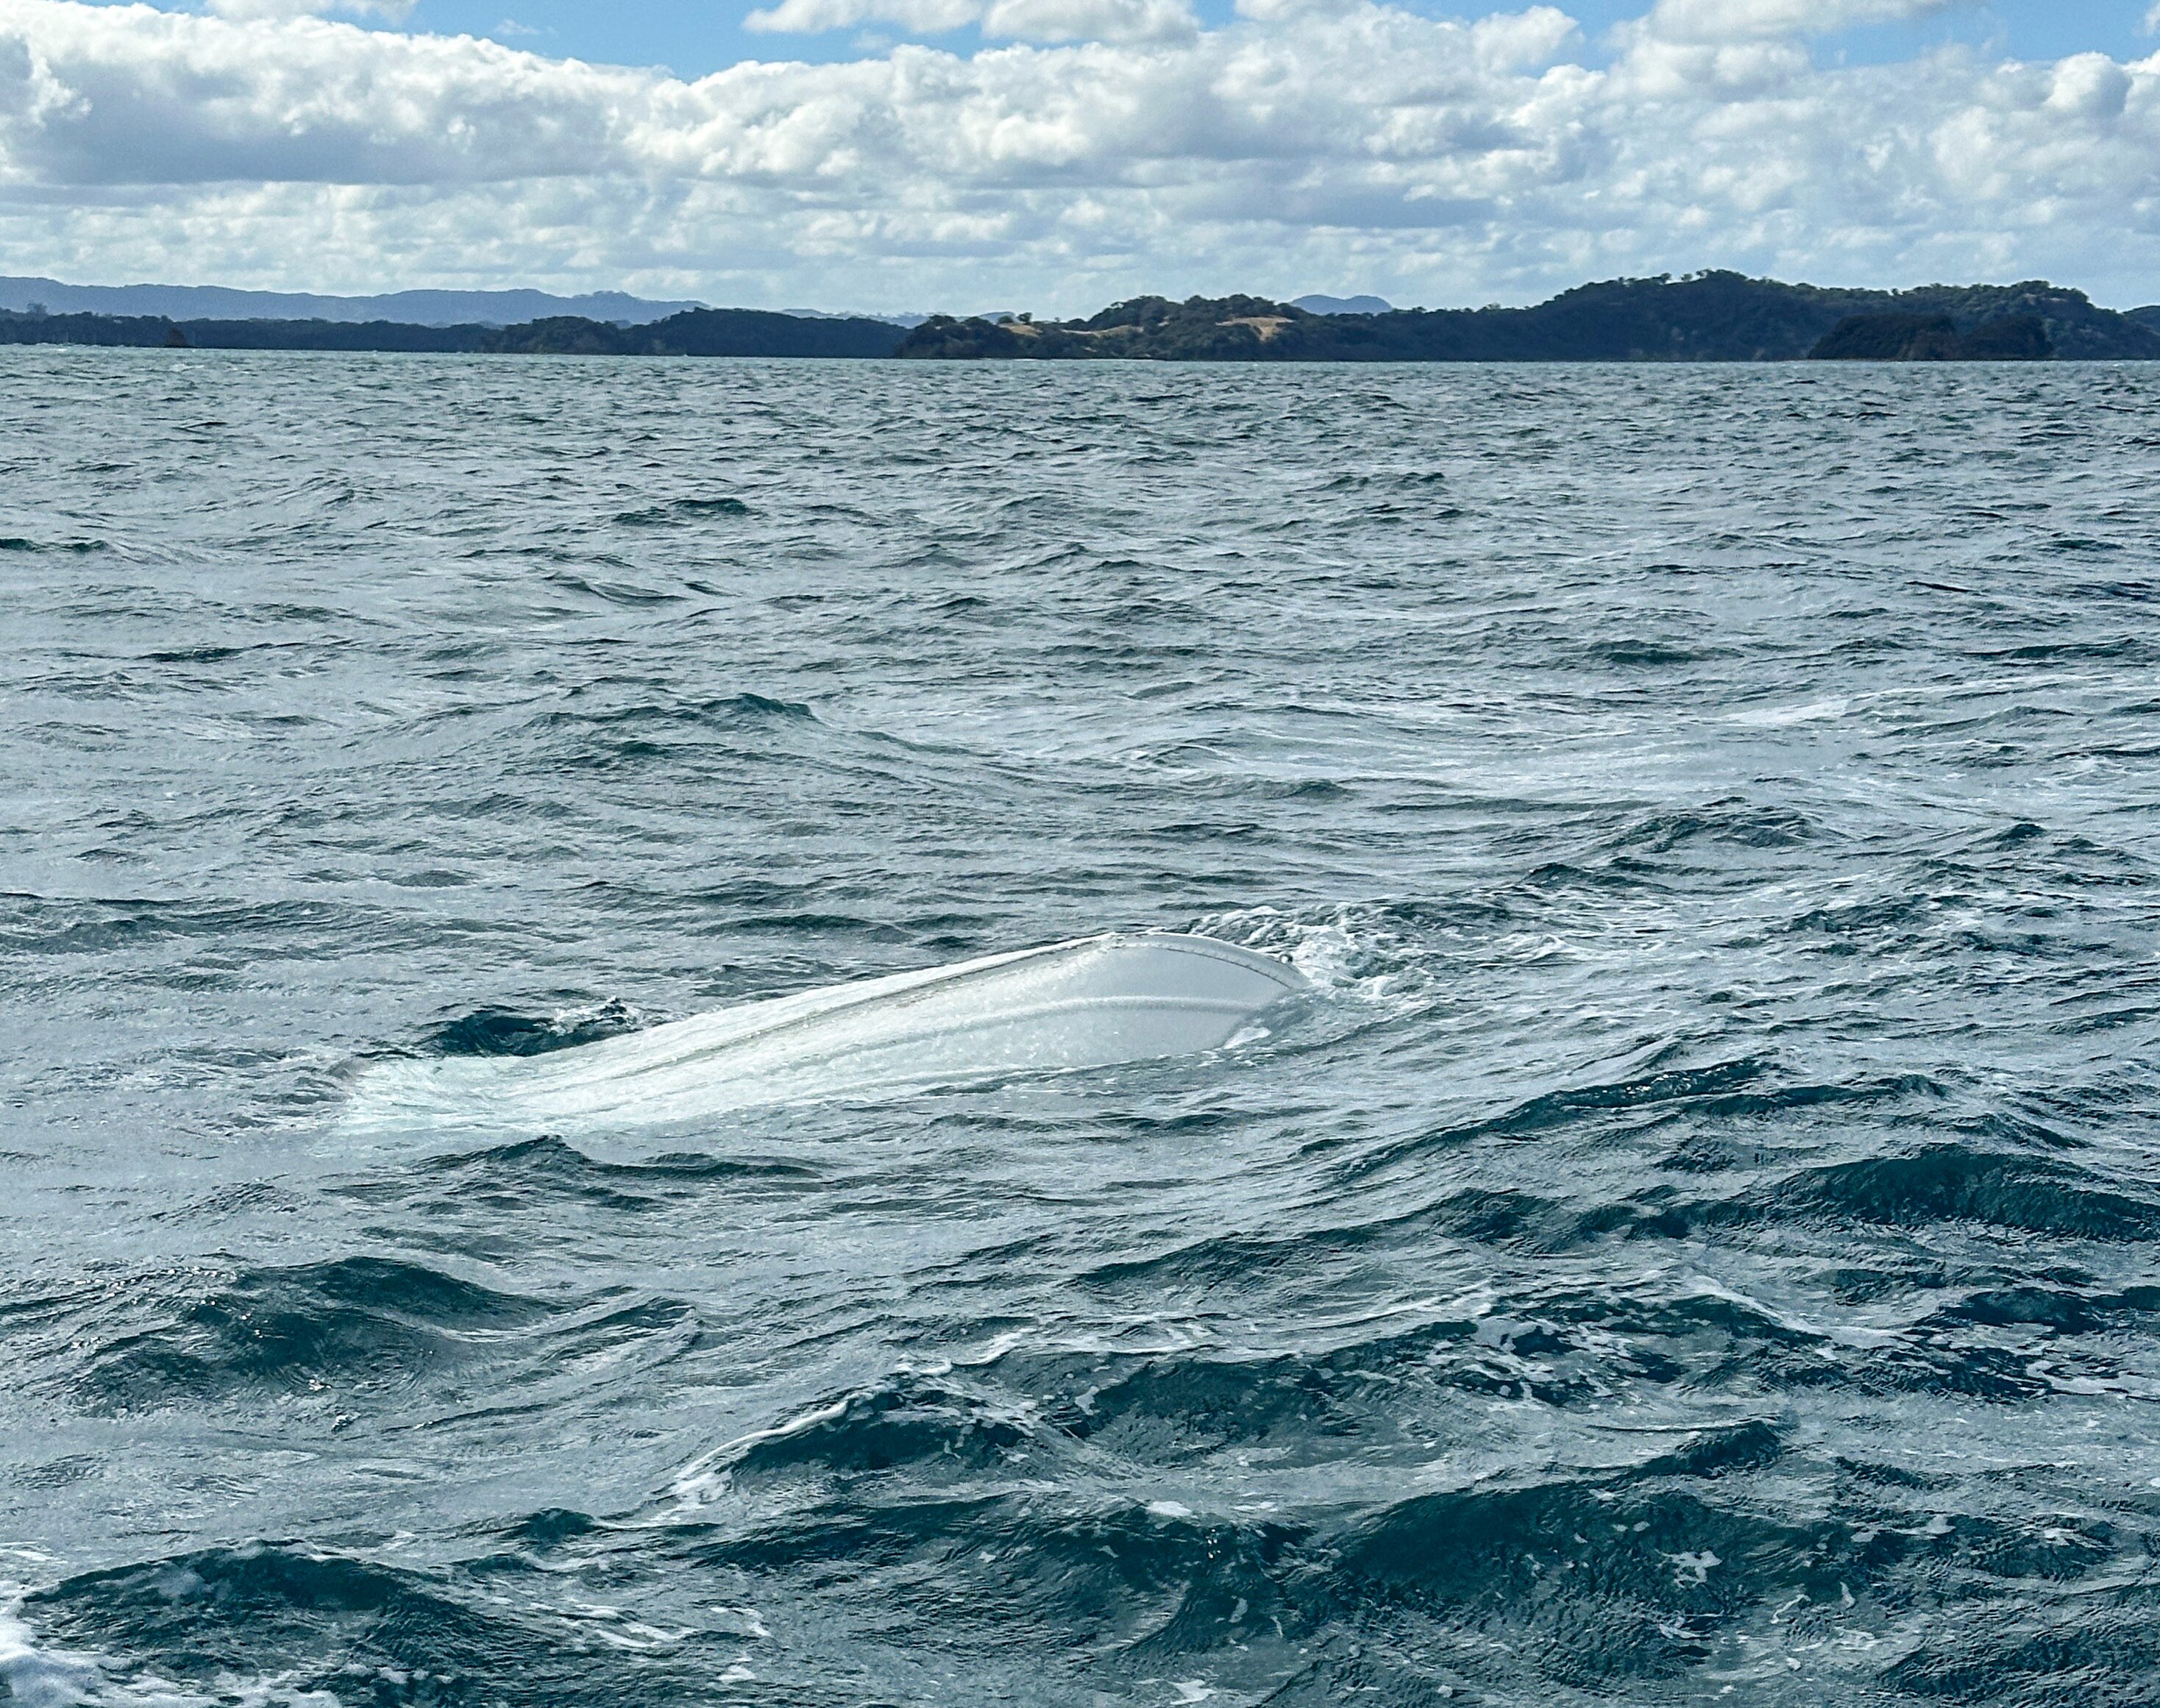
[[1713, 317]]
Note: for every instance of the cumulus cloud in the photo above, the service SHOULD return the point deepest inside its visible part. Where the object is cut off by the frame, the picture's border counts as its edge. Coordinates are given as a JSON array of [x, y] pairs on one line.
[[1308, 144], [247, 9], [1021, 20], [921, 16], [1758, 20]]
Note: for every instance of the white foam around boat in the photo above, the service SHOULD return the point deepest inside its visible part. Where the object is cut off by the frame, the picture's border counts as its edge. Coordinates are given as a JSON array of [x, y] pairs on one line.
[[1090, 1003]]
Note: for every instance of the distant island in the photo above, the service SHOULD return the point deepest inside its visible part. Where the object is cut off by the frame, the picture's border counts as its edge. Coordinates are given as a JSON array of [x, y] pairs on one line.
[[692, 332], [422, 307], [1709, 316], [1713, 317]]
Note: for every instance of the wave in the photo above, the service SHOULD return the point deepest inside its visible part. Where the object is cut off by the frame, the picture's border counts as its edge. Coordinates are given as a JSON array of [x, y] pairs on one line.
[[1134, 1513], [503, 1031], [310, 1338], [678, 511], [1953, 1182], [285, 1625], [312, 1329]]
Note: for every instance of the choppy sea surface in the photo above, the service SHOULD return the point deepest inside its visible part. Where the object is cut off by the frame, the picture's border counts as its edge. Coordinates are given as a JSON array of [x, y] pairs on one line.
[[1696, 1244]]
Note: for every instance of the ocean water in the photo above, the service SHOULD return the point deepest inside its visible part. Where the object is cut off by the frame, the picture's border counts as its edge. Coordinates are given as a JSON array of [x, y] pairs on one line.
[[1696, 1244]]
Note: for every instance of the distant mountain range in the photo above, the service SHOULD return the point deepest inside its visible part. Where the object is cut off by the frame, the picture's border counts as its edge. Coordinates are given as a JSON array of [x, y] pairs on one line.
[[1706, 317], [429, 308], [406, 307]]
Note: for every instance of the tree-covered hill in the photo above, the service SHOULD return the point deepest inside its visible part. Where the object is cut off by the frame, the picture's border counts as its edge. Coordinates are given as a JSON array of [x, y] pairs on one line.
[[694, 332], [1933, 337], [1710, 317], [702, 332]]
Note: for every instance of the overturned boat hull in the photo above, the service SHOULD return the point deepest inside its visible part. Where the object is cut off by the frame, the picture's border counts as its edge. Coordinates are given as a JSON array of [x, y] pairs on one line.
[[1090, 1003]]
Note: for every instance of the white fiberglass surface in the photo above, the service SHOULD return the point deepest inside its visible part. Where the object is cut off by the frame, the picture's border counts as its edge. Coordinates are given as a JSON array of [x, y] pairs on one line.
[[1094, 1002]]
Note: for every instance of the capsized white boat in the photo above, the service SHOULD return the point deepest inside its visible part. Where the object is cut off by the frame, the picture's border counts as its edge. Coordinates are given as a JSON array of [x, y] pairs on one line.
[[1090, 1003]]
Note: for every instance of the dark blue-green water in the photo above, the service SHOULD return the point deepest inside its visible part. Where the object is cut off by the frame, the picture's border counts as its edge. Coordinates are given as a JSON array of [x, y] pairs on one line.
[[1698, 1243]]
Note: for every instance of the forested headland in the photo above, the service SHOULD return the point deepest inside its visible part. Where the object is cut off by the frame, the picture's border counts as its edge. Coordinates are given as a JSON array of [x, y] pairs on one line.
[[1710, 317]]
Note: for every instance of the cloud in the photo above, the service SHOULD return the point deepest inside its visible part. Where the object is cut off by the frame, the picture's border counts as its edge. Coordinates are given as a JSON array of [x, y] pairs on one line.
[[1023, 20], [921, 16], [245, 10], [1085, 20], [1762, 20], [1332, 143]]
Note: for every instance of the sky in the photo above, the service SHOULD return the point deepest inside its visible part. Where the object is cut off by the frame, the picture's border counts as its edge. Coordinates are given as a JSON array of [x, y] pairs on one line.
[[1057, 155]]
